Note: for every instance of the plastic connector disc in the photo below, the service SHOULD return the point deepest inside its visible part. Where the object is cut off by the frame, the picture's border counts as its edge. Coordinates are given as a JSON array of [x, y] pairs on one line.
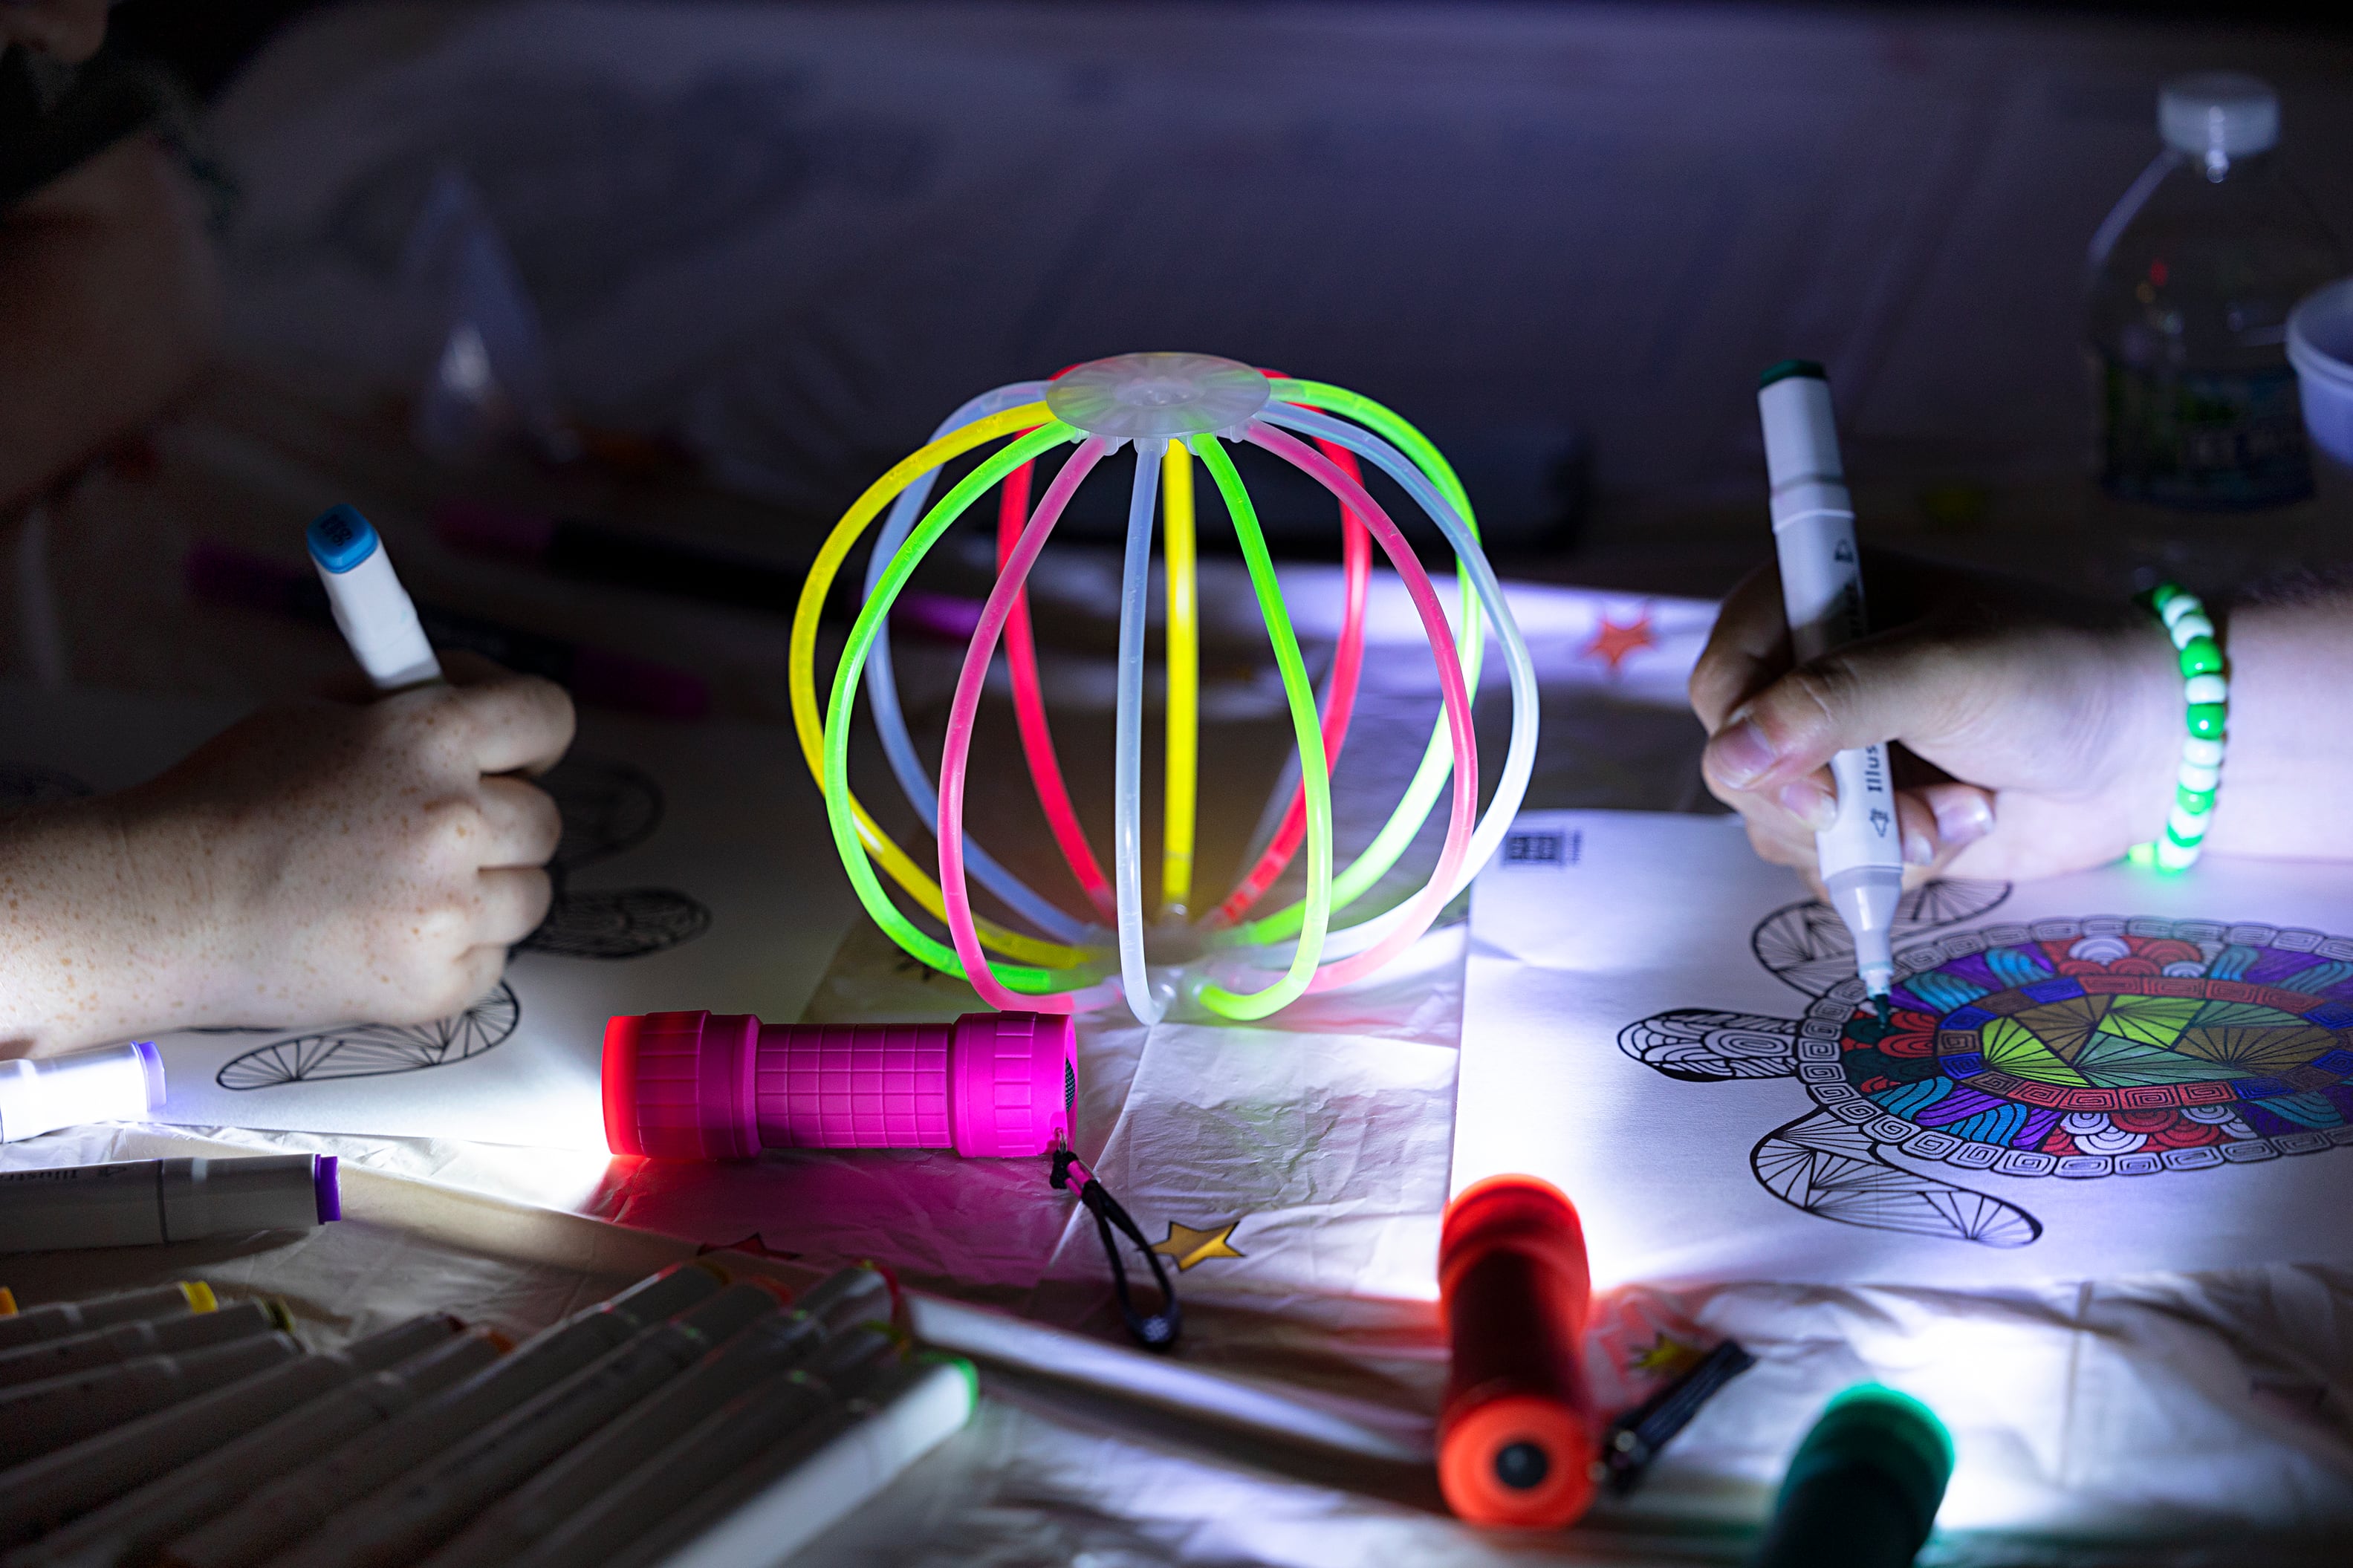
[[1131, 395]]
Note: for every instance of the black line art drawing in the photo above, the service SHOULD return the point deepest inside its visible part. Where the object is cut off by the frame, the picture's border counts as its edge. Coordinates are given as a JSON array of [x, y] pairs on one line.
[[370, 1050], [608, 807], [2076, 1049]]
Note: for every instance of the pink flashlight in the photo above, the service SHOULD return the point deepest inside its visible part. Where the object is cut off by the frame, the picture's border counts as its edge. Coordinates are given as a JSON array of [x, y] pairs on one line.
[[705, 1086]]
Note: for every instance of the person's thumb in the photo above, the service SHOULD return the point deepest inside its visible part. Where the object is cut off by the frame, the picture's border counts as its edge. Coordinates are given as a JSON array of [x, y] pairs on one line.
[[1899, 685]]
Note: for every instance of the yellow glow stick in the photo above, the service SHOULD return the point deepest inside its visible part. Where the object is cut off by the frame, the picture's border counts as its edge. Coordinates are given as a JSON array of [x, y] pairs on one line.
[[1184, 682], [801, 677]]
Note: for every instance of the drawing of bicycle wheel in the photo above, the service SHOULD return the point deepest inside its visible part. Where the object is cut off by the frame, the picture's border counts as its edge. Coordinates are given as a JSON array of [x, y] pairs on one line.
[[371, 1050]]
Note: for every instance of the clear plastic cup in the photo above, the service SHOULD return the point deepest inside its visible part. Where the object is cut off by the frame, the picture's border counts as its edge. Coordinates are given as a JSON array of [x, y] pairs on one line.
[[2320, 346]]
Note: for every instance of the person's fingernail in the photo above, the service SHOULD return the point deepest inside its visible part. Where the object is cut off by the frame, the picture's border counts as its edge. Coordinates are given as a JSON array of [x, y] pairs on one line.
[[1741, 751], [1962, 818], [1806, 801], [1919, 850]]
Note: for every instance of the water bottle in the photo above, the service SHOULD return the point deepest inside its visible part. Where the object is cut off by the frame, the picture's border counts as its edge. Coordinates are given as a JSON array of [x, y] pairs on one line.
[[2192, 277]]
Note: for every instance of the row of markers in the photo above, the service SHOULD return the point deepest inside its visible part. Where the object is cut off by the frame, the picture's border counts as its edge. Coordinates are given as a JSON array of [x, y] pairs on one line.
[[690, 1420]]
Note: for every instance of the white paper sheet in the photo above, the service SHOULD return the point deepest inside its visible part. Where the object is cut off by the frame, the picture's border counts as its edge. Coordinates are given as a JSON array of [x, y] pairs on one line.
[[1664, 1027], [697, 873]]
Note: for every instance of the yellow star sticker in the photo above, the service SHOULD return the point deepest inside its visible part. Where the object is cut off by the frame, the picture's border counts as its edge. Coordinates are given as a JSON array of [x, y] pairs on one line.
[[1189, 1247], [1669, 1356]]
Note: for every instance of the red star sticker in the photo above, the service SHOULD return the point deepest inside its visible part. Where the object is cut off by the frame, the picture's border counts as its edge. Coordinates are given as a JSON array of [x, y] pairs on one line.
[[1613, 642]]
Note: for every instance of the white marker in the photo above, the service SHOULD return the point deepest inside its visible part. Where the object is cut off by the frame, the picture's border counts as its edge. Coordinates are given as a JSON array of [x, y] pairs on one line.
[[593, 1471], [119, 1083], [143, 1202], [677, 1491], [127, 1342], [56, 1320], [41, 1416], [371, 606], [131, 1527], [48, 1490], [306, 1497], [400, 1524], [915, 1407], [1821, 588]]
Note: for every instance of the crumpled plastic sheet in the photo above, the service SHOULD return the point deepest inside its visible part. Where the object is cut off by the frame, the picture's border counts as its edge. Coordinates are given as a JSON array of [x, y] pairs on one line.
[[2162, 1420]]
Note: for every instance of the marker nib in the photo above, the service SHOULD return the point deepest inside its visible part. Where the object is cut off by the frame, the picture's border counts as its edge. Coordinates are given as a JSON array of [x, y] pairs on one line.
[[1885, 1008]]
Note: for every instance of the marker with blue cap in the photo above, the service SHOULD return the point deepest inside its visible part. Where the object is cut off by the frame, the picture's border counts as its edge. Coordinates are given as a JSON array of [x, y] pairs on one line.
[[371, 607]]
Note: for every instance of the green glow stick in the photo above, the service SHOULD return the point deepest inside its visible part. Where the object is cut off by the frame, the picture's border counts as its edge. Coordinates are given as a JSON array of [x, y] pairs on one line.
[[1437, 758], [1314, 772], [912, 938]]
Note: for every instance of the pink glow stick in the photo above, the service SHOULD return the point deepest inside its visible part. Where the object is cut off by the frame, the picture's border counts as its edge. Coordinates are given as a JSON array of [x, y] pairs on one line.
[[1434, 893], [964, 710], [1029, 712], [1347, 668]]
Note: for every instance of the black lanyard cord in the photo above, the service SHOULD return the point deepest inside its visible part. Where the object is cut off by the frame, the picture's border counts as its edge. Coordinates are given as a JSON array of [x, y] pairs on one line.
[[1156, 1330]]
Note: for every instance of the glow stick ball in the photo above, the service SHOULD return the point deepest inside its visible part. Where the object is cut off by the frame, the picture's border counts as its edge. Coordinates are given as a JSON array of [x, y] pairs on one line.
[[1865, 1486], [1516, 1435], [705, 1086]]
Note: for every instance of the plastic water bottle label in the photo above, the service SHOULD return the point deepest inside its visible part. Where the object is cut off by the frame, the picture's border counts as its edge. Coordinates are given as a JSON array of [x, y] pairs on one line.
[[2202, 439]]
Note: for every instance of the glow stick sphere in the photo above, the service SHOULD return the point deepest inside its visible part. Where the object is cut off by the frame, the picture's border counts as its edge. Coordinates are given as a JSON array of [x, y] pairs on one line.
[[1175, 410]]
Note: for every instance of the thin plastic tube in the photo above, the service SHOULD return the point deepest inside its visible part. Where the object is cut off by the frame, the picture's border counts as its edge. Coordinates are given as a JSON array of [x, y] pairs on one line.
[[1424, 907], [964, 711], [882, 685], [1029, 712], [1438, 757], [1127, 749], [1339, 706], [1181, 790], [842, 813], [1312, 770], [810, 729], [1519, 755]]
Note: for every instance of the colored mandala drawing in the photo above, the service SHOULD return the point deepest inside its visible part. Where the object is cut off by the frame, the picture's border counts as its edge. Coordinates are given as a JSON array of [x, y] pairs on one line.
[[2077, 1048]]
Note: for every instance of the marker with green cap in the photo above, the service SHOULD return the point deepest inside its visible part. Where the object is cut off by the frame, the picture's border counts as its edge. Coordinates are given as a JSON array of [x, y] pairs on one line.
[[1865, 1486], [1821, 589]]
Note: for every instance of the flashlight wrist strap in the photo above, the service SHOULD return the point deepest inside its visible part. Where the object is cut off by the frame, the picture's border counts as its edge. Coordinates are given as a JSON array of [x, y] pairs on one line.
[[1153, 1330]]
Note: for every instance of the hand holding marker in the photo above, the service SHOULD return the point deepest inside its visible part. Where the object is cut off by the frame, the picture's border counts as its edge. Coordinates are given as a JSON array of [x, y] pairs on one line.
[[1821, 589]]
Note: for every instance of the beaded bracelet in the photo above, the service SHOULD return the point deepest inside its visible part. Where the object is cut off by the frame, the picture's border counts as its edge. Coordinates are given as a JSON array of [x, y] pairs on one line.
[[2206, 691]]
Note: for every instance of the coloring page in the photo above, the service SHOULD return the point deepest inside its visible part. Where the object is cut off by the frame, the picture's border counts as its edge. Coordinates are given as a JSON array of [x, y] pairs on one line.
[[2083, 1077], [700, 876]]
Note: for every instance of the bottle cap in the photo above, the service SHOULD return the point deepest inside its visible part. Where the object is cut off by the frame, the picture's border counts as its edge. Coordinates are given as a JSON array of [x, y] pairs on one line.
[[2217, 116]]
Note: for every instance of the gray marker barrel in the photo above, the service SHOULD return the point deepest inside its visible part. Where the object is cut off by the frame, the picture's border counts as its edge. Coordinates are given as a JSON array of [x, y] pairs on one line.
[[283, 1512], [57, 1485], [131, 1527], [56, 1320], [124, 1341], [142, 1202], [41, 1417], [671, 1494], [578, 1481], [417, 1513], [785, 1499], [118, 1083]]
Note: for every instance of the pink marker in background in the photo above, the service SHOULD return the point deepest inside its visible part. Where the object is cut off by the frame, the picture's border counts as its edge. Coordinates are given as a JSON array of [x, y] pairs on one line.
[[702, 1086]]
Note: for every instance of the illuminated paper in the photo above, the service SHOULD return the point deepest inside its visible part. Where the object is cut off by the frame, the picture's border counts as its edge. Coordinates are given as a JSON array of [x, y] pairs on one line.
[[2097, 1074]]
